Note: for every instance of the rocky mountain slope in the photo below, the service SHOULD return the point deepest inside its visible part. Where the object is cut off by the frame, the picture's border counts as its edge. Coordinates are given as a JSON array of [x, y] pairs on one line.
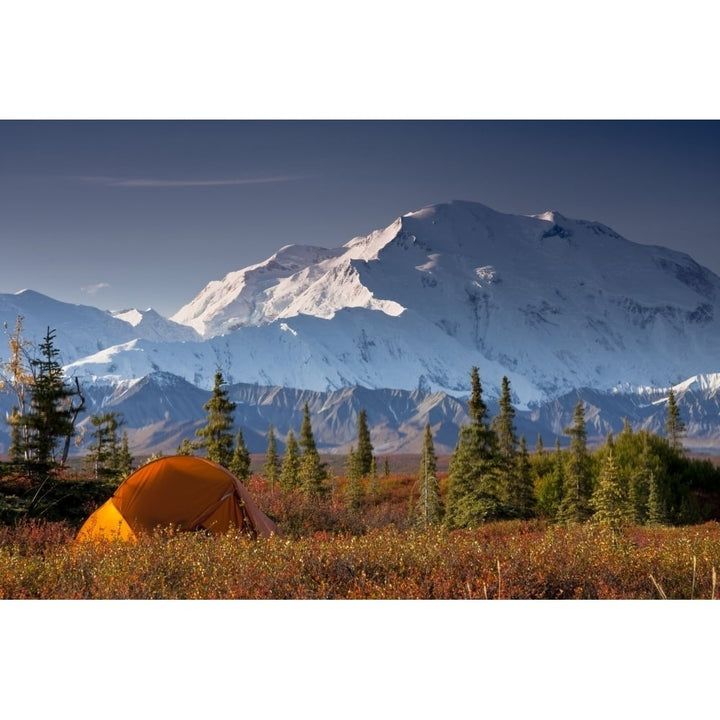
[[161, 409]]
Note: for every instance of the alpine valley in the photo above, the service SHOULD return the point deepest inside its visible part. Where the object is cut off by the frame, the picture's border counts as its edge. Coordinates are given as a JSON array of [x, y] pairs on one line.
[[393, 323]]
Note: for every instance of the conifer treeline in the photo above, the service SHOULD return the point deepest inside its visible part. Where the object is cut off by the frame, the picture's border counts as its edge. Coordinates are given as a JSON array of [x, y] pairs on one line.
[[636, 478]]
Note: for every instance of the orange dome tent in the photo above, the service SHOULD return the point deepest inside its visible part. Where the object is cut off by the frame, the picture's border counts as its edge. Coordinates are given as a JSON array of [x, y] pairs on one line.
[[187, 492]]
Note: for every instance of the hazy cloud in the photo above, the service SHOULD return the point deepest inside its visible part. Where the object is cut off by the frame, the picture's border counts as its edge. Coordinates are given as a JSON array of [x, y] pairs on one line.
[[160, 183], [94, 289]]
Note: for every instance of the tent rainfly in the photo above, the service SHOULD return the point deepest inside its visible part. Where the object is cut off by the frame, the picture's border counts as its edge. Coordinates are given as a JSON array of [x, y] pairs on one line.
[[189, 493]]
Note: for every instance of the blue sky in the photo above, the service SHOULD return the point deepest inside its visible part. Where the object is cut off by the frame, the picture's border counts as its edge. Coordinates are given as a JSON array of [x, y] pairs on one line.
[[145, 213]]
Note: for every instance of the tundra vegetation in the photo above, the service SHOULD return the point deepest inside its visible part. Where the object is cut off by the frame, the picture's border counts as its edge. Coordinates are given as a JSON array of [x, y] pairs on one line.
[[634, 518]]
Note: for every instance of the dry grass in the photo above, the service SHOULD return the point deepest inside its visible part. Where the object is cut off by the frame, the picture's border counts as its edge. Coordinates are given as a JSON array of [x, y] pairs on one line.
[[523, 560]]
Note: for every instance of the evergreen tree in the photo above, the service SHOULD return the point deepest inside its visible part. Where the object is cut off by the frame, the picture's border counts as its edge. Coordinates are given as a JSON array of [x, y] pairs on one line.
[[657, 504], [428, 459], [639, 482], [476, 405], [312, 471], [521, 491], [428, 510], [608, 499], [271, 468], [473, 492], [503, 425], [352, 468], [637, 455], [186, 447], [386, 467], [104, 452], [544, 482], [539, 446], [290, 471], [354, 490], [240, 462], [674, 426], [578, 488], [364, 452], [50, 415], [638, 489], [216, 435], [473, 495]]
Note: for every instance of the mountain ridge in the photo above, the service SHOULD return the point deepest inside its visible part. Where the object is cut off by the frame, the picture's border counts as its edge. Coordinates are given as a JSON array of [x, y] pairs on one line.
[[553, 303], [161, 409]]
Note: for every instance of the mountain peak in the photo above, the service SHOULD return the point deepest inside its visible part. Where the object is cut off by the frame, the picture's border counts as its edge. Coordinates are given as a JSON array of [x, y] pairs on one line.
[[552, 302], [552, 216]]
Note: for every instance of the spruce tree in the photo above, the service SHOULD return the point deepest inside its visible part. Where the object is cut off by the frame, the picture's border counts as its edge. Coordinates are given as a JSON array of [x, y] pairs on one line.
[[608, 499], [104, 452], [428, 459], [504, 426], [578, 487], [639, 483], [240, 462], [50, 414], [216, 435], [428, 510], [674, 426], [352, 468], [473, 492], [271, 468], [312, 471], [476, 405], [521, 495], [364, 452], [353, 488], [186, 447], [290, 470], [657, 504]]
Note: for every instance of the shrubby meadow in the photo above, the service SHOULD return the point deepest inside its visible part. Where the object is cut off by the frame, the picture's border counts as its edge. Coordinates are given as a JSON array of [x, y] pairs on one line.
[[517, 559]]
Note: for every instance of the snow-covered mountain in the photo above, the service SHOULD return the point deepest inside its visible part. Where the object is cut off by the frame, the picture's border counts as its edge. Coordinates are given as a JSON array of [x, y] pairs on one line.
[[552, 303], [555, 304], [82, 330], [150, 325]]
